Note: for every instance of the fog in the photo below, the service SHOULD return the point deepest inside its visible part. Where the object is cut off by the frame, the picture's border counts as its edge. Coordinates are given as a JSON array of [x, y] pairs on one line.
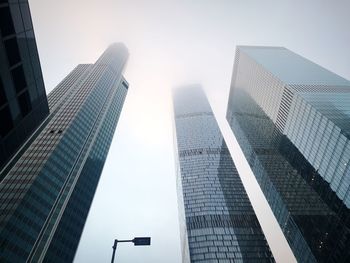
[[172, 43]]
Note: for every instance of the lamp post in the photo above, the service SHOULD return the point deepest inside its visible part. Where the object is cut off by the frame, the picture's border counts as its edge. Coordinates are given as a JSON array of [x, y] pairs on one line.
[[138, 241]]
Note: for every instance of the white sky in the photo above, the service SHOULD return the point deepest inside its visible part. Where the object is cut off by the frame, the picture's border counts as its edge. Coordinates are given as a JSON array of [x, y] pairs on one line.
[[171, 43]]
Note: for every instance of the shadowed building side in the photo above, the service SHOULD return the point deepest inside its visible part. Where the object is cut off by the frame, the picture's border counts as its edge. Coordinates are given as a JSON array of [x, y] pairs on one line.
[[53, 183], [23, 102]]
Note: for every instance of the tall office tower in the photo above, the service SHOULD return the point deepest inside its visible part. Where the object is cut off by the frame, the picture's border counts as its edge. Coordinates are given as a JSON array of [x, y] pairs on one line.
[[23, 102], [218, 223], [46, 196], [291, 118]]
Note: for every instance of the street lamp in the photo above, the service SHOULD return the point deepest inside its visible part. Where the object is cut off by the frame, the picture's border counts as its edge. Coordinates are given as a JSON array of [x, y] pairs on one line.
[[138, 241]]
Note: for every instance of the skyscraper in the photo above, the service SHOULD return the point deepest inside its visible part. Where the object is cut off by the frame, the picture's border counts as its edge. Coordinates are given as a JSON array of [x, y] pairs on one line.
[[218, 223], [23, 102], [46, 196], [291, 118]]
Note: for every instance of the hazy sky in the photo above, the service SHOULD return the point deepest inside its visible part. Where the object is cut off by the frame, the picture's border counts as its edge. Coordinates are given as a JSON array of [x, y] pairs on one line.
[[171, 43]]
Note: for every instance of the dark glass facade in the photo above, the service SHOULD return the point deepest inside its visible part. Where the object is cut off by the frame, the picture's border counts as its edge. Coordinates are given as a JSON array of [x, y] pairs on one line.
[[46, 196], [23, 102], [291, 119], [218, 223]]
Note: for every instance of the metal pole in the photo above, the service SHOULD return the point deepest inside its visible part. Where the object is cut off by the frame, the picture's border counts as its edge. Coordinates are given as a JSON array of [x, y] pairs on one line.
[[132, 240], [114, 248]]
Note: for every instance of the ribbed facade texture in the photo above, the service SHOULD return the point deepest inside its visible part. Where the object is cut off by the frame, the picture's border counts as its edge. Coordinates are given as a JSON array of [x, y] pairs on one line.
[[23, 102], [291, 118], [46, 196], [218, 223]]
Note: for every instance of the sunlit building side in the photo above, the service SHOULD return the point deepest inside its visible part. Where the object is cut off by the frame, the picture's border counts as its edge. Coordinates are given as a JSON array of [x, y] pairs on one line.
[[291, 118], [217, 221]]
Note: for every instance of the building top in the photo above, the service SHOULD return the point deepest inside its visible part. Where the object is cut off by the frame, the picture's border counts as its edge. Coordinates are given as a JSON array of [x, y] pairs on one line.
[[115, 57], [291, 68], [184, 102]]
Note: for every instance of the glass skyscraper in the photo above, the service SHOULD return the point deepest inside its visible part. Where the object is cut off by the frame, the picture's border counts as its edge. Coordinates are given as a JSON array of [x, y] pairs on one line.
[[23, 102], [291, 118], [45, 197], [218, 223]]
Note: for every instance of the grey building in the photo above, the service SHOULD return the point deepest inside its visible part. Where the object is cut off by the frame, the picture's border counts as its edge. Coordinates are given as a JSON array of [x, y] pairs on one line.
[[218, 223], [23, 102], [291, 118], [45, 197]]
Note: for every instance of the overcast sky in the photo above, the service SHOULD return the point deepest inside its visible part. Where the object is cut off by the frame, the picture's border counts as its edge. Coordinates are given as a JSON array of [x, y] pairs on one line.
[[171, 43]]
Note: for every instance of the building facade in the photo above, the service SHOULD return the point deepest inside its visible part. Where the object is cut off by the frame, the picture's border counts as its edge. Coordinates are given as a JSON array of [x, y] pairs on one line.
[[45, 197], [291, 118], [23, 102], [218, 223]]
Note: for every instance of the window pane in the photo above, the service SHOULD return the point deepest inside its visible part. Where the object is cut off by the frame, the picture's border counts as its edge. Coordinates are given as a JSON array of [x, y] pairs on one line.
[[19, 79], [24, 103], [6, 121], [12, 51], [6, 24]]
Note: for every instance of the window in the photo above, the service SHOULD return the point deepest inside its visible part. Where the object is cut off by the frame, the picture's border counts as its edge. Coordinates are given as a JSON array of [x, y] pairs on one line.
[[6, 121], [6, 23], [3, 99], [125, 85], [12, 51], [24, 103], [18, 78]]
